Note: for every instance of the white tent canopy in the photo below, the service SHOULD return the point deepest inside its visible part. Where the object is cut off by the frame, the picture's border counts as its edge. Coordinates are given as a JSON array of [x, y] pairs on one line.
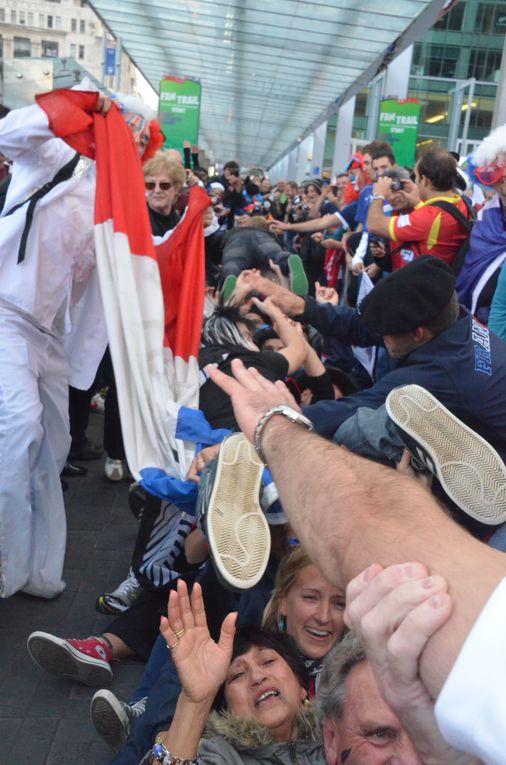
[[269, 70]]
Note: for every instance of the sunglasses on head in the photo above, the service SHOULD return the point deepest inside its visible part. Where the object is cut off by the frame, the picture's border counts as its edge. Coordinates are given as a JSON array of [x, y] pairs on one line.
[[163, 185]]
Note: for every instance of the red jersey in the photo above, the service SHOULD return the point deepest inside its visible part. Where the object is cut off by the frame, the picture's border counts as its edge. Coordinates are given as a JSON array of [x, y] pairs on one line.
[[427, 230]]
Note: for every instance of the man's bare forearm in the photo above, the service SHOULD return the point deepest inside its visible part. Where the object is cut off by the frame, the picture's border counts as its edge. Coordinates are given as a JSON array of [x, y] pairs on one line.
[[350, 512], [377, 221]]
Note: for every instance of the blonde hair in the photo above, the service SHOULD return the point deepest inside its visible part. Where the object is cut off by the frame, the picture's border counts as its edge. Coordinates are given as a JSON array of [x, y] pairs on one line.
[[259, 222], [161, 163], [289, 569]]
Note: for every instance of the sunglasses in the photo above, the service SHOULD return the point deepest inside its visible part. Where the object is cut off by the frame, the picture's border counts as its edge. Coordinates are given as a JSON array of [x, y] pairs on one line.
[[163, 185], [489, 174]]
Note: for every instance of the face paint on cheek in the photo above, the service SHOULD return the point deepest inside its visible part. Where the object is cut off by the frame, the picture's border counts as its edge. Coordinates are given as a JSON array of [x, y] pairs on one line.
[[140, 130]]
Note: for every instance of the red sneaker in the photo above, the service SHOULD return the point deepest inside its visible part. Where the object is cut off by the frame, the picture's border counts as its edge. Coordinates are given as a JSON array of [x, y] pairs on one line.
[[87, 661]]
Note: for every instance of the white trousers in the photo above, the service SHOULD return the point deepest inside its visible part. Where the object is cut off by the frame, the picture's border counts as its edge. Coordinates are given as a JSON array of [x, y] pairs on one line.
[[34, 443]]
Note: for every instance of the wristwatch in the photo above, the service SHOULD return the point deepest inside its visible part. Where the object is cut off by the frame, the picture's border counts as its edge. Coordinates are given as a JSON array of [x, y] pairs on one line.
[[378, 196], [285, 411]]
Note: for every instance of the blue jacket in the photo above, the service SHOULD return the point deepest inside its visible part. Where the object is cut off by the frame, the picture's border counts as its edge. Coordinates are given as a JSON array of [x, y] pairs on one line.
[[464, 367]]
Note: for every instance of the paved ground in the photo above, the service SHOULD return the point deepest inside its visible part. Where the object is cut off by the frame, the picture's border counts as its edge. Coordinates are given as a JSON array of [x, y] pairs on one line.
[[43, 720]]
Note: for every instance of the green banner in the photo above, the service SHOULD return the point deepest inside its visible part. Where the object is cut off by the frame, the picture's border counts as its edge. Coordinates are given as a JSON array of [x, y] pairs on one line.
[[179, 111], [398, 124]]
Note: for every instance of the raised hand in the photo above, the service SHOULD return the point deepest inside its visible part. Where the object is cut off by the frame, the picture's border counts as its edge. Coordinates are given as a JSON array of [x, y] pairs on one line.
[[326, 294], [395, 611], [201, 664]]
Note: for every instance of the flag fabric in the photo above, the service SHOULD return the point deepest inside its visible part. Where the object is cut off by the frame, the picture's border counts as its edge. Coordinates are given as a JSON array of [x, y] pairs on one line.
[[153, 302], [366, 356], [153, 298]]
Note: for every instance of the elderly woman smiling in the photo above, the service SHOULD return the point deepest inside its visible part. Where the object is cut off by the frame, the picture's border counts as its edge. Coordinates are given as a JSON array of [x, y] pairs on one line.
[[259, 679], [164, 178]]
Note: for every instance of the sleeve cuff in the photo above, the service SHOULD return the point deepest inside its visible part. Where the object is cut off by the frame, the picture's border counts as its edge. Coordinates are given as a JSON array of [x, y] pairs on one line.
[[471, 708]]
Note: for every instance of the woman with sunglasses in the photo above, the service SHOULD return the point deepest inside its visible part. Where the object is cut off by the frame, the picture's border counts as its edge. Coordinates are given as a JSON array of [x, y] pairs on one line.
[[164, 179]]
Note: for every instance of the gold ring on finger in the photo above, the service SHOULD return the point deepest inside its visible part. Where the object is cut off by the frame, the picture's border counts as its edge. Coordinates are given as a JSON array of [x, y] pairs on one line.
[[174, 645], [180, 633]]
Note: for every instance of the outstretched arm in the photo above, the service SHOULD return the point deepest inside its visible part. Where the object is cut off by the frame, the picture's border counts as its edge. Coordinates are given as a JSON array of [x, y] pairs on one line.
[[350, 512], [201, 664], [308, 226]]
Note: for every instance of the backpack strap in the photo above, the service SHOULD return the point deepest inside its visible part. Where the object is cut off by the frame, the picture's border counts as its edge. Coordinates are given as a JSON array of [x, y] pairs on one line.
[[63, 174], [454, 211]]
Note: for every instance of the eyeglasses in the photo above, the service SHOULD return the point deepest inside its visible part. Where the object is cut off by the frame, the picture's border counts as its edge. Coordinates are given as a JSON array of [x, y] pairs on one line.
[[163, 185]]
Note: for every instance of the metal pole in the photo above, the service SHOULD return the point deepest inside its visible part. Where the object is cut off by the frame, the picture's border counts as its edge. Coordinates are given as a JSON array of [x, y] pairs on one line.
[[467, 118], [117, 79]]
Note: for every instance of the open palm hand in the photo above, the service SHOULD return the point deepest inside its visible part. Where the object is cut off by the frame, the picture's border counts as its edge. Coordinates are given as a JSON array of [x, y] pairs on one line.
[[202, 664]]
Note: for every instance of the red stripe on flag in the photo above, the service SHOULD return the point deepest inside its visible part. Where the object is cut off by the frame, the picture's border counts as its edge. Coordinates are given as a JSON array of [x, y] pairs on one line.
[[181, 260], [120, 195], [70, 115]]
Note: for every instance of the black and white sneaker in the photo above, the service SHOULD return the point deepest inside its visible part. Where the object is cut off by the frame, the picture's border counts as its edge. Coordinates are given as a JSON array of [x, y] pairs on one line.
[[470, 470], [234, 523], [113, 718], [120, 599]]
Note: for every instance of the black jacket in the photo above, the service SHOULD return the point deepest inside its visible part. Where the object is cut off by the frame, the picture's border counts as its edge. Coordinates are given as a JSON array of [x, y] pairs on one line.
[[464, 367]]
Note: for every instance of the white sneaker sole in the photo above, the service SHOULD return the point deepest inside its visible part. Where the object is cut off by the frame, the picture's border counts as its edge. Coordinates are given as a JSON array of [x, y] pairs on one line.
[[237, 530], [470, 470], [109, 719], [58, 657]]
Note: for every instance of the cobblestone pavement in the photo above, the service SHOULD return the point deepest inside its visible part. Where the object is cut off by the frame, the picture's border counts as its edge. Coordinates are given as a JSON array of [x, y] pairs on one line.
[[45, 720]]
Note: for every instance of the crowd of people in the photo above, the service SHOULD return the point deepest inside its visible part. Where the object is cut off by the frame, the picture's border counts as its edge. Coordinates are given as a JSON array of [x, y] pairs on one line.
[[328, 584]]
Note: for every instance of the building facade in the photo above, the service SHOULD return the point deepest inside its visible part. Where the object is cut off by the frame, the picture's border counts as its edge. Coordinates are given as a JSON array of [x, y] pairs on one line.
[[53, 43]]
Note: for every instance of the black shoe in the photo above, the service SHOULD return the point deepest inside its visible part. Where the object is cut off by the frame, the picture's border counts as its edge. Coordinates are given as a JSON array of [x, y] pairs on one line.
[[73, 471], [86, 452], [136, 500]]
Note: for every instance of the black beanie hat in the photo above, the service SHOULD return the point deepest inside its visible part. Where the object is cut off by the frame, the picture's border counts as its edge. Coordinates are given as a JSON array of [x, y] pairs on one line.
[[409, 297]]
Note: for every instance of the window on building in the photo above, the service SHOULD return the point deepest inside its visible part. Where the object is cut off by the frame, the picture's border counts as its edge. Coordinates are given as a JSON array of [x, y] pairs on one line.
[[30, 18], [484, 64], [49, 22], [13, 17], [453, 19], [22, 47], [58, 22], [436, 60], [81, 51], [2, 14], [73, 50], [41, 19], [1, 47], [491, 18], [22, 17], [49, 49], [73, 25], [82, 26]]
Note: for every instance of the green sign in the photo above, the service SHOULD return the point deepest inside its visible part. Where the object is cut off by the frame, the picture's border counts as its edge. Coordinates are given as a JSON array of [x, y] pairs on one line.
[[398, 124], [179, 111]]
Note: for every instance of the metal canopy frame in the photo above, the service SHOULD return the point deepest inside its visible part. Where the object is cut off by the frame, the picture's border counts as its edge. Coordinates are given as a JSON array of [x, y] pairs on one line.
[[271, 72]]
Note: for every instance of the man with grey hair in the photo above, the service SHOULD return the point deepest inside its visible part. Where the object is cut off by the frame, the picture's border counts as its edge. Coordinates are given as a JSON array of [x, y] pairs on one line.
[[358, 725], [377, 665]]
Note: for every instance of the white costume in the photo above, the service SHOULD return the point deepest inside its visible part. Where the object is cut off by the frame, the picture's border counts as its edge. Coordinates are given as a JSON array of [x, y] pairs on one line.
[[52, 292], [471, 708]]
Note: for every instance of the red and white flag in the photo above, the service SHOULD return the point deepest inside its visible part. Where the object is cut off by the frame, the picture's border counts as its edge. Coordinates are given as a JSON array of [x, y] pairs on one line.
[[153, 297]]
